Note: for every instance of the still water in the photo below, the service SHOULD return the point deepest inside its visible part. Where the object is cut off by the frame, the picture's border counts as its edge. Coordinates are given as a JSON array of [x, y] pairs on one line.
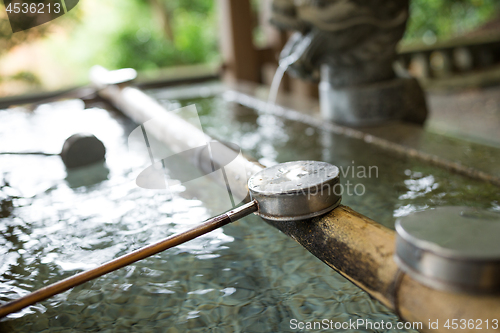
[[245, 277]]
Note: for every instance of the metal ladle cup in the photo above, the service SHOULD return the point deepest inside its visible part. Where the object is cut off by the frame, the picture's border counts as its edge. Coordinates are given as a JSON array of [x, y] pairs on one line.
[[295, 190]]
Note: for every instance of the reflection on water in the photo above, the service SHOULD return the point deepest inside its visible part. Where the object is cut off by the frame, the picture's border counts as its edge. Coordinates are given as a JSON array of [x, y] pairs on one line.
[[90, 175], [396, 184], [245, 277]]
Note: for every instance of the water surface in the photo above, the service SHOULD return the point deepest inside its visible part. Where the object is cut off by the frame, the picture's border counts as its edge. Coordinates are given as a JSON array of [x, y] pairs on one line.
[[245, 277]]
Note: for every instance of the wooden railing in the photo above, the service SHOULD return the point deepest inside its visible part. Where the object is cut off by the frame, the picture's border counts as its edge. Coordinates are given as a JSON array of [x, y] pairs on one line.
[[445, 58]]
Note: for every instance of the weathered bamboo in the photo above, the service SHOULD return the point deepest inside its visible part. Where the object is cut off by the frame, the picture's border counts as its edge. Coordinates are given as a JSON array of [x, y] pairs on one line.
[[352, 244], [362, 251]]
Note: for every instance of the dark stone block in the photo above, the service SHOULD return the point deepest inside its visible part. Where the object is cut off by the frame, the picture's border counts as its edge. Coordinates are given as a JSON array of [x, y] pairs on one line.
[[82, 149]]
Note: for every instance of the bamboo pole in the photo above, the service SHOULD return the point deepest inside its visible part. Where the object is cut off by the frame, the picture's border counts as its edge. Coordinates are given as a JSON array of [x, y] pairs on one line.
[[352, 244]]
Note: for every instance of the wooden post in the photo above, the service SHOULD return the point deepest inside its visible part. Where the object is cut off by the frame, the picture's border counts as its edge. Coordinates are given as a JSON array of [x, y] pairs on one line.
[[238, 50], [275, 40]]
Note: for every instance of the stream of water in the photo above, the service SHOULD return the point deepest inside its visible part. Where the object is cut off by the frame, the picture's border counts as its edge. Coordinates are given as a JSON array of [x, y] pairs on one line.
[[275, 84], [300, 47]]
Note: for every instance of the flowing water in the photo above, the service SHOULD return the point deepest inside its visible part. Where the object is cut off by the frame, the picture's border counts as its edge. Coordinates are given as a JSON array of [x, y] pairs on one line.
[[275, 85], [297, 47], [245, 277]]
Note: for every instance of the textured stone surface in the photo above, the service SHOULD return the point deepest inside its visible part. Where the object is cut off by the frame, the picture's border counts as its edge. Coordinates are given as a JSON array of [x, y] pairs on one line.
[[374, 103], [351, 47]]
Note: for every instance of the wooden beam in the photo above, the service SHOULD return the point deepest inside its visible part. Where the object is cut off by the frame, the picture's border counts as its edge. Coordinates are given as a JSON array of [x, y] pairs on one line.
[[237, 48]]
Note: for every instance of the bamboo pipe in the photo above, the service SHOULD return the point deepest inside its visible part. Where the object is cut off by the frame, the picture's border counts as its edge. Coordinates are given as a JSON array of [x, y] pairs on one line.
[[362, 251], [352, 244], [113, 265]]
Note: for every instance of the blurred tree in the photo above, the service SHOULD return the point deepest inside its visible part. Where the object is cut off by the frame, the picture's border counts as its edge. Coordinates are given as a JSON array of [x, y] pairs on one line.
[[8, 40], [151, 34], [143, 34], [164, 15], [184, 32], [442, 19]]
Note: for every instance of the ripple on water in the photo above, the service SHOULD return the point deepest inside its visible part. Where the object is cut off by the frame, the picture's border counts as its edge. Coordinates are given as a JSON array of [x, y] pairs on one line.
[[245, 277]]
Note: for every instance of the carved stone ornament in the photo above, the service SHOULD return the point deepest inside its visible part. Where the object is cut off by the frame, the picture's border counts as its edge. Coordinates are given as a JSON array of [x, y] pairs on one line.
[[350, 46]]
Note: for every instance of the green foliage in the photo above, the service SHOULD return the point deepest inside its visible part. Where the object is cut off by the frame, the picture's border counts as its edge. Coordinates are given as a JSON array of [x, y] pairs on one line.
[[193, 6], [27, 77], [146, 47], [135, 33], [448, 18], [8, 40], [129, 34]]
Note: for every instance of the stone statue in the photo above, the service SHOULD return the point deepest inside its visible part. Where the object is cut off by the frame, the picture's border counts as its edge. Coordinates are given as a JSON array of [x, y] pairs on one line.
[[350, 46]]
